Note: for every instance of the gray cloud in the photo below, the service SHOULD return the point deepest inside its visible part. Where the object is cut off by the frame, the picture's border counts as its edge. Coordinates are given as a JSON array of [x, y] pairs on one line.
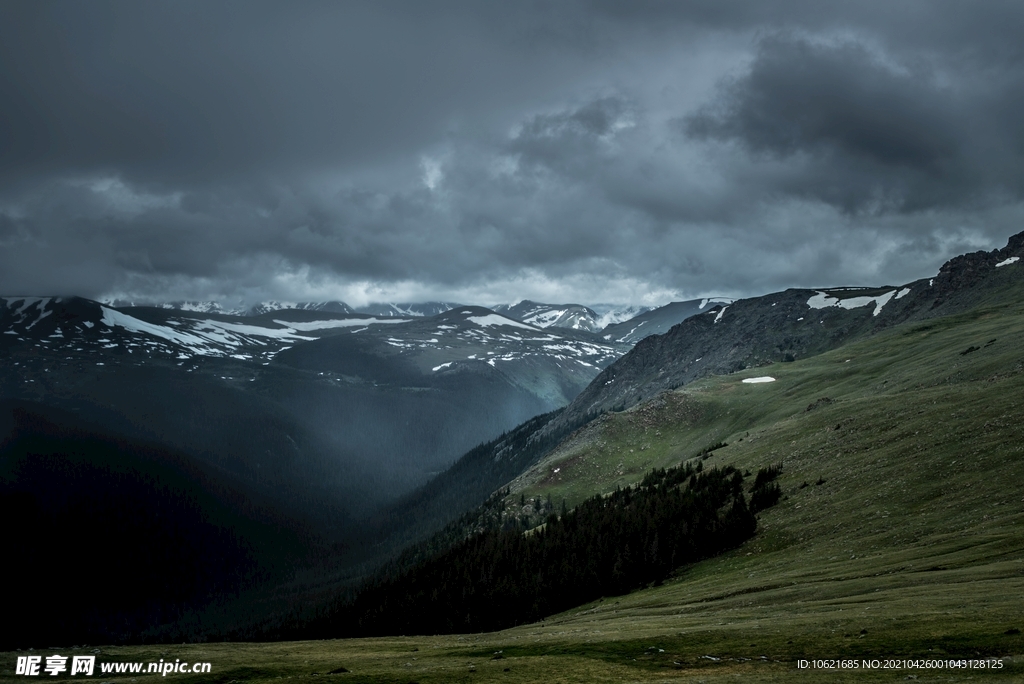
[[577, 150], [863, 131]]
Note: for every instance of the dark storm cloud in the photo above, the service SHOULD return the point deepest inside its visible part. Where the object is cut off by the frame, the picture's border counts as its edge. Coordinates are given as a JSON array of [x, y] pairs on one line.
[[199, 90], [488, 151], [821, 98], [866, 132]]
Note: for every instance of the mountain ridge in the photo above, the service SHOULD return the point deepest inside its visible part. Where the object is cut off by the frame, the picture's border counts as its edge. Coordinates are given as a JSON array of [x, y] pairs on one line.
[[792, 324]]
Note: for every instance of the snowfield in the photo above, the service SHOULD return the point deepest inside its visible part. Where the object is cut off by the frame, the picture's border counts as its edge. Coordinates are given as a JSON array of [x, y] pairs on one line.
[[206, 338], [757, 381]]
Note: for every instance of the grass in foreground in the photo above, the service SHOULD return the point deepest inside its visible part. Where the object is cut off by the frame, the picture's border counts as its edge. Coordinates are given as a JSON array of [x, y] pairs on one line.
[[900, 534]]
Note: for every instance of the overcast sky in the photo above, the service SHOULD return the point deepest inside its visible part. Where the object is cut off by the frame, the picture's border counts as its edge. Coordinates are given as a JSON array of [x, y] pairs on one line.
[[485, 152]]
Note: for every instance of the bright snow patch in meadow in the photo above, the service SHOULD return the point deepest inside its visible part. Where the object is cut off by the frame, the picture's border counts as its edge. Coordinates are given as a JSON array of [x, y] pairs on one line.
[[823, 301], [763, 378], [1007, 262], [495, 319]]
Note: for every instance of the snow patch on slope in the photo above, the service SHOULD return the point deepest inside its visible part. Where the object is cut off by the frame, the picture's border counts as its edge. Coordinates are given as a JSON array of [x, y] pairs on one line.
[[338, 323], [714, 300], [26, 302], [112, 318], [495, 319], [822, 300], [206, 338], [608, 315]]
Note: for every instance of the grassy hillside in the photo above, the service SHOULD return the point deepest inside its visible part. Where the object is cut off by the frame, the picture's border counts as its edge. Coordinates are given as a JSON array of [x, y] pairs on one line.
[[901, 393], [900, 533]]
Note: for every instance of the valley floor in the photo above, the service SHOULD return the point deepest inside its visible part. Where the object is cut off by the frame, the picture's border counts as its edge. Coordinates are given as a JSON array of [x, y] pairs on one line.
[[689, 630], [900, 537]]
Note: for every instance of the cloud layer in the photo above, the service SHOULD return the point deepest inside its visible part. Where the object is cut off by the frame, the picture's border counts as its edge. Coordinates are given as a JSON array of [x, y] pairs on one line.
[[585, 151]]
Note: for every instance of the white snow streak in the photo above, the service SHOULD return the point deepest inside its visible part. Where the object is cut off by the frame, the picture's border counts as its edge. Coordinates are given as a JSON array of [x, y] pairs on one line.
[[337, 323], [495, 319]]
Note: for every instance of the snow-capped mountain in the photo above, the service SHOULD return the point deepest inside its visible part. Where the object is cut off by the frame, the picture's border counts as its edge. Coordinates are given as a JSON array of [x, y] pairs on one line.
[[657, 321], [472, 335], [570, 316], [199, 307], [77, 327], [611, 314], [272, 305], [407, 309], [456, 346], [196, 306], [465, 335]]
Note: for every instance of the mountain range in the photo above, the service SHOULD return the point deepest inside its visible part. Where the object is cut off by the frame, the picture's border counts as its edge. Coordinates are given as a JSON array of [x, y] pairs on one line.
[[316, 442], [602, 318]]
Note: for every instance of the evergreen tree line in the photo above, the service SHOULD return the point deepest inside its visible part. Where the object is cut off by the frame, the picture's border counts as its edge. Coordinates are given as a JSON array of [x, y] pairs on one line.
[[608, 545]]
